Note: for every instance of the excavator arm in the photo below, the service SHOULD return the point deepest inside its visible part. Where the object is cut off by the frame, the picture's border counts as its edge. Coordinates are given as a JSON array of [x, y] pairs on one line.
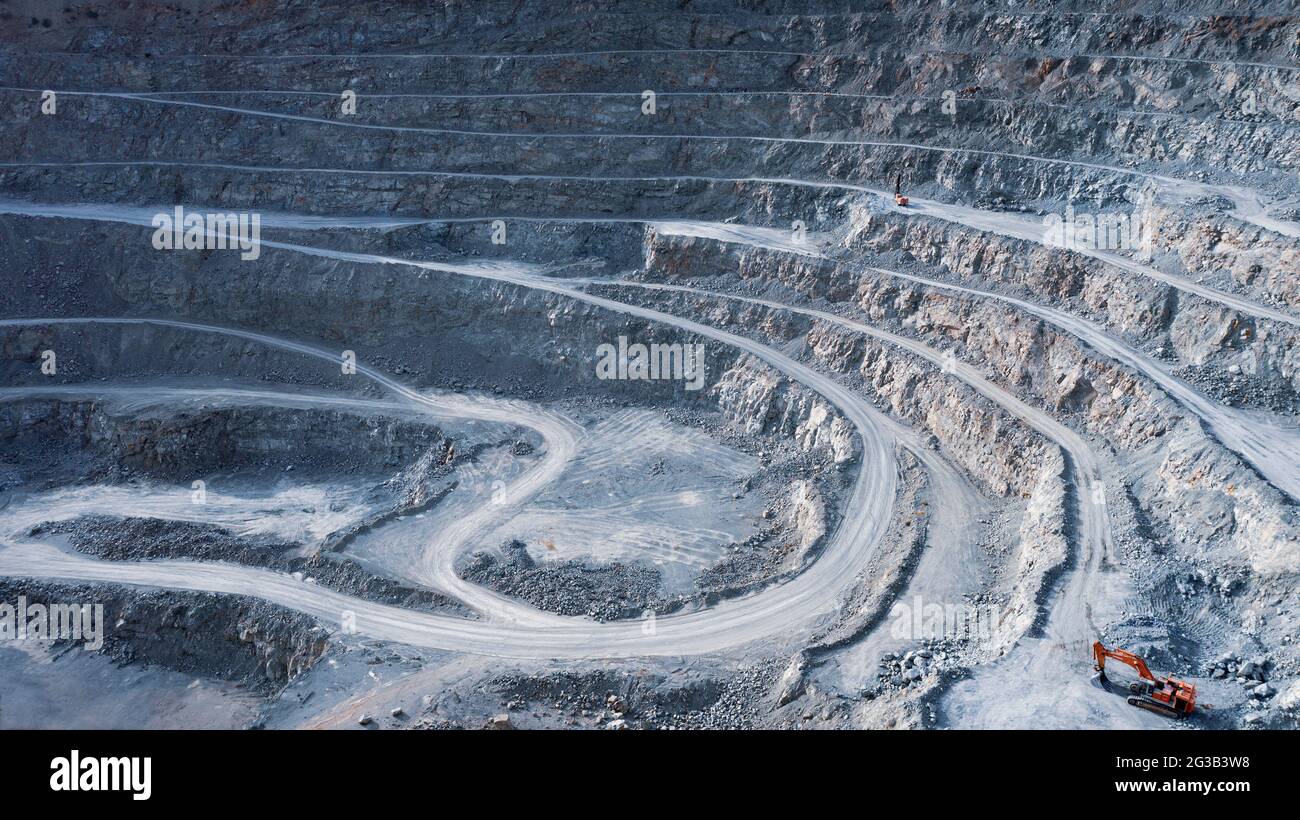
[[899, 199], [1100, 653]]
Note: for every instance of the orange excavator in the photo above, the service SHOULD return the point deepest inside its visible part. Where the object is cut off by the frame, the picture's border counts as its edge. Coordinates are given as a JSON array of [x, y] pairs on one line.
[[899, 199], [1164, 696]]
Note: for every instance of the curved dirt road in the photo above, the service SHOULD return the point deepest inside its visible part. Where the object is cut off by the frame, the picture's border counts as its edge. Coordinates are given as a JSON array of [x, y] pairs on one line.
[[521, 631]]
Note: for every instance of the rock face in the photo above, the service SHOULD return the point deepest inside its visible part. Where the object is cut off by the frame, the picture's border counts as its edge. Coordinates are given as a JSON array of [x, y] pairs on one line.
[[1203, 336], [170, 446], [807, 517], [1040, 554], [1256, 259], [765, 403], [230, 638]]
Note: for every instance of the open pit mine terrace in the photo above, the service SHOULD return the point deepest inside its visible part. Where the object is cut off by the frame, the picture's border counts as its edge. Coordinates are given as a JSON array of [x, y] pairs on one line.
[[649, 365]]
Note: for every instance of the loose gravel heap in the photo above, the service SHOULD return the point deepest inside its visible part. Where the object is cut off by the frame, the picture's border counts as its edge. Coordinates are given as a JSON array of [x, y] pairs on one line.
[[606, 592]]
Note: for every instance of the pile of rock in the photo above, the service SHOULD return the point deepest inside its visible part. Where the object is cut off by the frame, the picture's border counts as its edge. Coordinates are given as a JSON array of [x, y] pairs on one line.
[[1249, 673], [899, 670], [726, 701], [604, 592], [1252, 675]]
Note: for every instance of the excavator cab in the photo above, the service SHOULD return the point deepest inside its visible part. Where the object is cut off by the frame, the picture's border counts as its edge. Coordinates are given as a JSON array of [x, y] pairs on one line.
[[1164, 696]]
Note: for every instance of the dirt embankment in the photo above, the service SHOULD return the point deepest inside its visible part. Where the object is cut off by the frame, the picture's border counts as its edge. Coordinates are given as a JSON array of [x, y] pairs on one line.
[[236, 639]]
